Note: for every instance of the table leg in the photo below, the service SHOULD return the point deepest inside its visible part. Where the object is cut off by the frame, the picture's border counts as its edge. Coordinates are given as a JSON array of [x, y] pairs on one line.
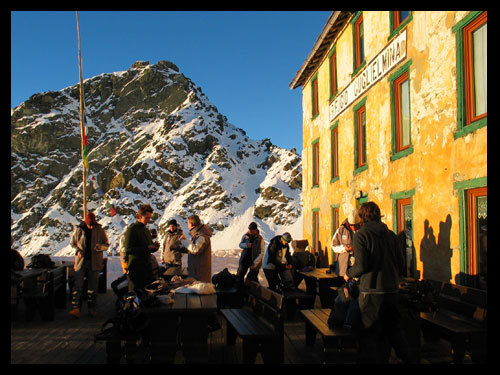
[[194, 338], [162, 335]]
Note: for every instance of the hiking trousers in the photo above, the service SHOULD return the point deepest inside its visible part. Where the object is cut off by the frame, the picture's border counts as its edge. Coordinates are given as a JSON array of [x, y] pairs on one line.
[[92, 279]]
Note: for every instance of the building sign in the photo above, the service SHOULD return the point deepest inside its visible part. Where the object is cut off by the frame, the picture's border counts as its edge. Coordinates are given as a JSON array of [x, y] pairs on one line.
[[385, 61]]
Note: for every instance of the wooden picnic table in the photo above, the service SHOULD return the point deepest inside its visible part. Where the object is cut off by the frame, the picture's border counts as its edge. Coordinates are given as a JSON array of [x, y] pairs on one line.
[[45, 285], [319, 279], [186, 320]]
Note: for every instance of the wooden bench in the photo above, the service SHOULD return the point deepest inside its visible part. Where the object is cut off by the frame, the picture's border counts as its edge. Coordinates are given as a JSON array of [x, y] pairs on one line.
[[334, 340], [47, 291], [460, 318], [228, 297], [260, 325], [296, 298]]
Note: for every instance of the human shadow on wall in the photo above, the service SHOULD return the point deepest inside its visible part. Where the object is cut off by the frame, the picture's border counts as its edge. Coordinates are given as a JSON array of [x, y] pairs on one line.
[[436, 256], [322, 256]]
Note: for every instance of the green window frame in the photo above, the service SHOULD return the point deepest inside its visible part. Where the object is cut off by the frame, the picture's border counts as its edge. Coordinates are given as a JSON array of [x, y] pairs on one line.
[[315, 229], [397, 151], [358, 167], [462, 188], [464, 128], [315, 96], [315, 163], [332, 64], [358, 48], [395, 198], [396, 24], [334, 142]]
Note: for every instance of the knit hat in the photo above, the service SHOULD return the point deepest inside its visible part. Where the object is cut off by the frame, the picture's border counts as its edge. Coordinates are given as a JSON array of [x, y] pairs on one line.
[[252, 226], [353, 217], [286, 237], [90, 218], [173, 222]]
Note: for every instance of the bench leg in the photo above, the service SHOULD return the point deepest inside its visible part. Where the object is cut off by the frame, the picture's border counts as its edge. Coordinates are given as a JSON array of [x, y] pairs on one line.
[[310, 334], [250, 349]]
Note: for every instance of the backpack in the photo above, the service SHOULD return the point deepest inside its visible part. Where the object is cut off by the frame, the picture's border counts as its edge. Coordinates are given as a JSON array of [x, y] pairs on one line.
[[41, 261], [224, 279], [128, 321]]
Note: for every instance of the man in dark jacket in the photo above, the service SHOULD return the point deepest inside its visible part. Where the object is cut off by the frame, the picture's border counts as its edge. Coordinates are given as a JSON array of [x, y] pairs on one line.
[[171, 256], [277, 263], [253, 246], [138, 244], [379, 265]]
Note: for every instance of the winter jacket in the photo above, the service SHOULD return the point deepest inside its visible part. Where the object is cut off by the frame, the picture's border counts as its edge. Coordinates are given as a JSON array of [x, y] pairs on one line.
[[136, 241], [170, 253], [252, 255], [78, 242], [379, 263], [200, 253], [277, 255], [341, 238]]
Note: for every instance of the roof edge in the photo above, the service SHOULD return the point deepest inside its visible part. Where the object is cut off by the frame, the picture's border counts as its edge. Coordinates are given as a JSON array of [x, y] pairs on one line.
[[328, 25]]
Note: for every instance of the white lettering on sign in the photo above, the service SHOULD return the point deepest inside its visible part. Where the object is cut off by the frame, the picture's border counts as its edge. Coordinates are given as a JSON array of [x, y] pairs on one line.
[[385, 61]]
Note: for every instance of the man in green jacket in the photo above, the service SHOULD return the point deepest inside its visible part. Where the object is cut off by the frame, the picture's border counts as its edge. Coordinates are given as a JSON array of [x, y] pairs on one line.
[[139, 245]]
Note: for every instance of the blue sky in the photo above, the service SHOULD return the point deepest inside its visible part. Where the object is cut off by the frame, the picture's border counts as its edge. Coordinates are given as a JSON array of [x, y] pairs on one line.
[[243, 61]]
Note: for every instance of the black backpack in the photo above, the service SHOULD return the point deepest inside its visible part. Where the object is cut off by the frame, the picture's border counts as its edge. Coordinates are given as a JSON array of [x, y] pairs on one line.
[[41, 261], [224, 279], [128, 321]]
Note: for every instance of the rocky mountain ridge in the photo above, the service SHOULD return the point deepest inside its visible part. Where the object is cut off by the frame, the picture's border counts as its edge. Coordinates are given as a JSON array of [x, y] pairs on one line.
[[154, 137]]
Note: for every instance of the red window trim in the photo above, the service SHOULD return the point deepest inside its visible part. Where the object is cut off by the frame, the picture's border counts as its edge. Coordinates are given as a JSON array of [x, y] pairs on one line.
[[397, 96], [361, 144], [469, 68], [472, 232], [333, 73], [358, 44]]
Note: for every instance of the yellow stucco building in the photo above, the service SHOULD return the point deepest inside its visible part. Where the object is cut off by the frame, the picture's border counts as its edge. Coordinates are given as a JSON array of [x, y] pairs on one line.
[[395, 111]]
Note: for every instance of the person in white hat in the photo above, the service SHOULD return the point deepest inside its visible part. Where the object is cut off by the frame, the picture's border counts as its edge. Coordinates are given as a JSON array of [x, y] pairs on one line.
[[342, 242]]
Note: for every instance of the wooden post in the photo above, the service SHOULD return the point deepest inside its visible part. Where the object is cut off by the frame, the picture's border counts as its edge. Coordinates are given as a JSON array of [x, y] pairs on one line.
[[82, 128]]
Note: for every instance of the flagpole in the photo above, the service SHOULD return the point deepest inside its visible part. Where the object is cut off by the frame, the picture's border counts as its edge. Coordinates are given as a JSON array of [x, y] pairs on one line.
[[83, 136]]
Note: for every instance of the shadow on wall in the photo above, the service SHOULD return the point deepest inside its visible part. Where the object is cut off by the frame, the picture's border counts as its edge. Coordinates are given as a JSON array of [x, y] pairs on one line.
[[436, 256]]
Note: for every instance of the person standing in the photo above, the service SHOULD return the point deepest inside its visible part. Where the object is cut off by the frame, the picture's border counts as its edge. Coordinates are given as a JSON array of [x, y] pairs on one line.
[[138, 244], [342, 242], [277, 263], [199, 250], [253, 246], [379, 265], [171, 255], [89, 240]]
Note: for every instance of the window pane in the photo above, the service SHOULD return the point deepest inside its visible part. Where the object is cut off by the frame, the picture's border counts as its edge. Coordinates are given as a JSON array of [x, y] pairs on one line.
[[363, 137], [361, 43], [480, 69], [403, 15], [405, 114]]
